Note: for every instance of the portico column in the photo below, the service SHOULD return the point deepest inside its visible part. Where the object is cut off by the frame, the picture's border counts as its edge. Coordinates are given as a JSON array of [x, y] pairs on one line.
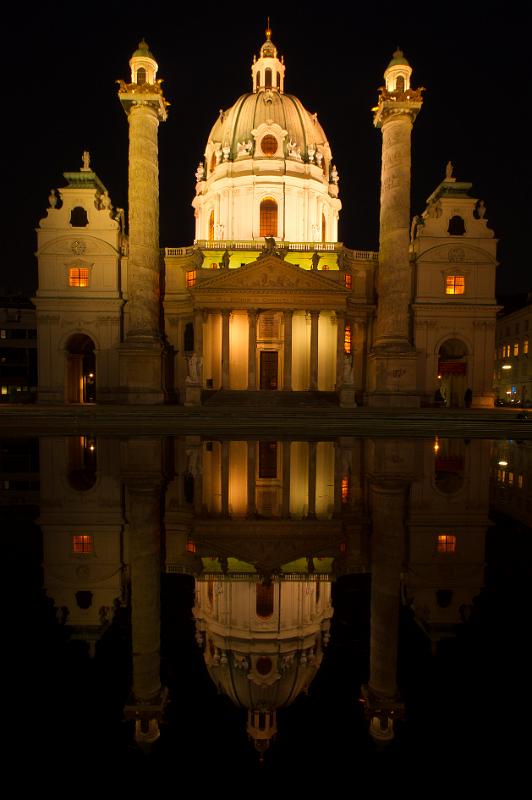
[[225, 479], [198, 332], [225, 349], [252, 350], [312, 480], [287, 372], [252, 449], [286, 480], [314, 317], [340, 347]]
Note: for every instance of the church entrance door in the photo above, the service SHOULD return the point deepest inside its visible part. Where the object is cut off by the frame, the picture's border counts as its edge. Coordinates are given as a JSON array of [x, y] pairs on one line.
[[269, 369], [81, 369]]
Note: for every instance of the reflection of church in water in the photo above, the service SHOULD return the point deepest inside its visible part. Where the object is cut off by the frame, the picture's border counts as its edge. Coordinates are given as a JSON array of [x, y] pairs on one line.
[[266, 299], [265, 528]]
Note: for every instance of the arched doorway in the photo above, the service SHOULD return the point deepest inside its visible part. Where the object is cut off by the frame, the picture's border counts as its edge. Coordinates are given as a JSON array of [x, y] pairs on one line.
[[81, 369], [452, 373]]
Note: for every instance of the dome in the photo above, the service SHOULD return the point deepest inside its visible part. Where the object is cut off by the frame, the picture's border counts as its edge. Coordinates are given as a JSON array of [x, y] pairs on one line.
[[398, 58], [251, 110], [143, 51]]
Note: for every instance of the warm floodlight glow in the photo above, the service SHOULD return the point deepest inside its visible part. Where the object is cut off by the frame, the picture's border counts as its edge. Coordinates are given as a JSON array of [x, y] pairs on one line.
[[503, 463], [506, 366]]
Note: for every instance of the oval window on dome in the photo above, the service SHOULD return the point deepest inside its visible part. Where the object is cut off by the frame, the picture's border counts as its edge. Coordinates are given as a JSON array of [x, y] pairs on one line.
[[269, 145]]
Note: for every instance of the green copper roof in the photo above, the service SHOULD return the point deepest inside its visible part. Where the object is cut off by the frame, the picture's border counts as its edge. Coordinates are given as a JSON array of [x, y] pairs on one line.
[[398, 58], [143, 50]]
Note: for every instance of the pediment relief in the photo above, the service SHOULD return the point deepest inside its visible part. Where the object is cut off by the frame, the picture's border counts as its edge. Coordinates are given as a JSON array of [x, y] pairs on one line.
[[456, 252], [270, 272], [78, 245]]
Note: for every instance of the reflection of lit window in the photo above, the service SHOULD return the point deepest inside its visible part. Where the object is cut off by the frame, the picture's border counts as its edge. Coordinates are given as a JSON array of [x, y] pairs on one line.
[[446, 543], [191, 546], [454, 284], [520, 481], [347, 338], [525, 347], [191, 278], [3, 334], [82, 543], [516, 348], [78, 276], [264, 600], [345, 489], [510, 479]]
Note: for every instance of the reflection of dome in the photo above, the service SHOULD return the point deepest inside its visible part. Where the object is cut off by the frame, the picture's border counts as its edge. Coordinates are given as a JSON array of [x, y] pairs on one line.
[[263, 644]]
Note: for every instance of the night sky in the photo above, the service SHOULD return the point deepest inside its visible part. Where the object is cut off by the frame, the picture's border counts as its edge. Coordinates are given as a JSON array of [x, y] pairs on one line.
[[60, 98]]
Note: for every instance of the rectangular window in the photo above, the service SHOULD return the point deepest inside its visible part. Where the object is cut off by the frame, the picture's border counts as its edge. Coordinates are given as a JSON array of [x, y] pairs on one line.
[[454, 284], [516, 348], [78, 276], [510, 479], [191, 278], [446, 543], [82, 543], [348, 281], [525, 347], [267, 460]]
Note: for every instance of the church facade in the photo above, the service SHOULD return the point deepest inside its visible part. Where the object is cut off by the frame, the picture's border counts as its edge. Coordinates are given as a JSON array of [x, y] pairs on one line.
[[266, 299]]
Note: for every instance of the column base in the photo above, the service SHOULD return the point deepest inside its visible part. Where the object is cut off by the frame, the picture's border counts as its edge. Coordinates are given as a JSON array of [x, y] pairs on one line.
[[392, 379], [381, 711], [346, 397], [142, 373]]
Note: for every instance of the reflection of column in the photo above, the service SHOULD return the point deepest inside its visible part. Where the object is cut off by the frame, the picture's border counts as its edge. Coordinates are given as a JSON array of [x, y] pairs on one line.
[[252, 507], [314, 316], [388, 513], [340, 345], [286, 480], [338, 475], [252, 349], [312, 480], [225, 478], [287, 351], [148, 697], [225, 349]]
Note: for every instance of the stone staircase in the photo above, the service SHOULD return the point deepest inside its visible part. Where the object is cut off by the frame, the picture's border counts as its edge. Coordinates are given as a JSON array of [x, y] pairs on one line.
[[268, 399]]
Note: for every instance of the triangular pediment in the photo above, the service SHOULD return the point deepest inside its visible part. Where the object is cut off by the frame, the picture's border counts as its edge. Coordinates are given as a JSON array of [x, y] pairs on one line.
[[269, 272]]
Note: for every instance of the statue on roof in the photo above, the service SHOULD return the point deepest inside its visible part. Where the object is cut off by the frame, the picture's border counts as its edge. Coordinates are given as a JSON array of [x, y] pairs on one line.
[[86, 161], [449, 170]]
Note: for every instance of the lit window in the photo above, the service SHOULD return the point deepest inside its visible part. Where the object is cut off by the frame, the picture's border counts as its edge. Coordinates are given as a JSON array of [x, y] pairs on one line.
[[454, 284], [211, 226], [516, 348], [348, 281], [191, 546], [345, 489], [268, 145], [82, 544], [268, 217], [191, 278], [525, 347], [510, 479], [446, 543], [3, 390], [141, 76], [78, 276], [347, 338]]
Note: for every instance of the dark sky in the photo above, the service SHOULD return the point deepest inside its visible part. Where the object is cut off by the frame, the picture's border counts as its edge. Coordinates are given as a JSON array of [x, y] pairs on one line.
[[59, 98]]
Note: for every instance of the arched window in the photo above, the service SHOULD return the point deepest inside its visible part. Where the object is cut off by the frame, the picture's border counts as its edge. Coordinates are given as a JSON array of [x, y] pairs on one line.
[[212, 164], [268, 217], [264, 600], [278, 80], [78, 217], [456, 226], [141, 76], [323, 228], [268, 145], [400, 84], [268, 78], [211, 226]]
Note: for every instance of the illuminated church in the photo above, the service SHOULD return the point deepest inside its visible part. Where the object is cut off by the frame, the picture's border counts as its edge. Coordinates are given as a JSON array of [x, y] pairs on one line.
[[266, 299]]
